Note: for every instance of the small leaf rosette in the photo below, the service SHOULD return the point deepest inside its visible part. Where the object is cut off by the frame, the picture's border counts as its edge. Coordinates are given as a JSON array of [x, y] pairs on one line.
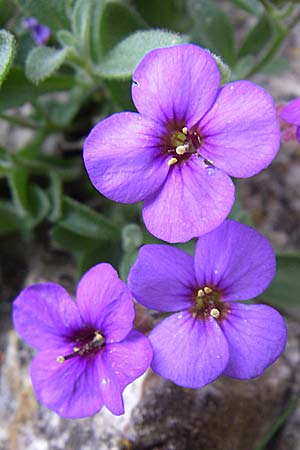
[[210, 332], [87, 350], [189, 137]]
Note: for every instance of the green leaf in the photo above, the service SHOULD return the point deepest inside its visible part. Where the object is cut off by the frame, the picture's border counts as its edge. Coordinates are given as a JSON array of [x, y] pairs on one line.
[[284, 290], [251, 6], [277, 66], [39, 206], [120, 91], [9, 219], [42, 62], [96, 50], [81, 24], [66, 39], [19, 187], [121, 61], [126, 263], [6, 164], [17, 90], [55, 192], [257, 37], [239, 214], [169, 14], [61, 113], [86, 222], [45, 164], [107, 252], [212, 29], [117, 22], [48, 12], [70, 240], [7, 50], [132, 237]]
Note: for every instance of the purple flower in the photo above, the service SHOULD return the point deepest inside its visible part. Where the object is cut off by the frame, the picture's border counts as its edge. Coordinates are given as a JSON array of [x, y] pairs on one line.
[[40, 33], [210, 333], [87, 350], [178, 153], [291, 114]]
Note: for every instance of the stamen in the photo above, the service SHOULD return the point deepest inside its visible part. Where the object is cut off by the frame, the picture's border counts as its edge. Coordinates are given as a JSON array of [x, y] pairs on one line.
[[98, 337], [60, 359], [215, 313], [172, 161], [185, 131], [207, 290], [181, 149], [200, 293]]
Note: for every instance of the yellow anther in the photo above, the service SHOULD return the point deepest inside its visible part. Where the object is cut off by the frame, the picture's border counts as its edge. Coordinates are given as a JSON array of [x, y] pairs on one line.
[[200, 293], [185, 130], [207, 290], [181, 149], [215, 313], [98, 336], [60, 359], [172, 161]]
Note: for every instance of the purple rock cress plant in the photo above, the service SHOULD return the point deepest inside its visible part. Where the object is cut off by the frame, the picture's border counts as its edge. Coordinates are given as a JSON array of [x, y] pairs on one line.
[[211, 332], [189, 137], [87, 350], [291, 114]]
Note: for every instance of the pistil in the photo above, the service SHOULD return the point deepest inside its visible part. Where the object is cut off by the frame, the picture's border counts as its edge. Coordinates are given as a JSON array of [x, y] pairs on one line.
[[208, 304], [94, 345]]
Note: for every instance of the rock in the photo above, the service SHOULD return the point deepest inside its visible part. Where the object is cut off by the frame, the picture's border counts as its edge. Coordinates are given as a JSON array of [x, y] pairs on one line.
[[31, 426], [225, 415]]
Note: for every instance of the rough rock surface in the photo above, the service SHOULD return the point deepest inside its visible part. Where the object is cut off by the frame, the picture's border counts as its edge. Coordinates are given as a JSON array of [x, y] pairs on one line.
[[226, 415]]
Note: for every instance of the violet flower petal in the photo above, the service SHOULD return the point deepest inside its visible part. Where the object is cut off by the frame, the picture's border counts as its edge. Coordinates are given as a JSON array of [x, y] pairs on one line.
[[236, 259], [291, 112], [105, 302], [122, 155], [128, 360], [241, 134], [71, 389], [189, 352], [177, 83], [110, 389], [194, 199], [163, 278], [256, 336], [45, 315]]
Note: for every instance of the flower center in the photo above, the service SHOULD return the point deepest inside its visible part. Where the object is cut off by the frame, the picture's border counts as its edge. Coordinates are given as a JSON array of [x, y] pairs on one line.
[[207, 303], [86, 345], [183, 145]]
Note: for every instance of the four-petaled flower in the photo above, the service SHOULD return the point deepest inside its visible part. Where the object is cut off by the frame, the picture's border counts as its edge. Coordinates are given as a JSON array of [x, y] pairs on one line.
[[210, 333], [40, 33], [188, 137], [88, 352], [291, 114]]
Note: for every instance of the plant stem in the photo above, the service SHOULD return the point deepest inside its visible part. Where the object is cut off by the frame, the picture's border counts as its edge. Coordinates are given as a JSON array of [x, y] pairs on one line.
[[281, 34], [19, 122]]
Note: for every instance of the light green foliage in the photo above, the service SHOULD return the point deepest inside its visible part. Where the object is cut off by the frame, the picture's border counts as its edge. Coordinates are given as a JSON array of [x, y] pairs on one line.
[[284, 290], [121, 61], [48, 12], [43, 62], [7, 49], [118, 21], [212, 29]]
